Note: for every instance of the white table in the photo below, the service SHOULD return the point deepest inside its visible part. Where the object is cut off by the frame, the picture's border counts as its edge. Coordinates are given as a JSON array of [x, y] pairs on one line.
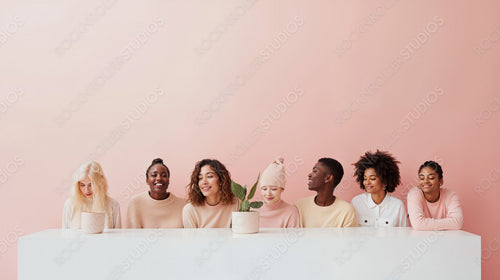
[[328, 253]]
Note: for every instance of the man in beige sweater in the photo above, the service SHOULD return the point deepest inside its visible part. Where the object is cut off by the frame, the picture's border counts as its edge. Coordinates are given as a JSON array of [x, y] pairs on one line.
[[324, 209]]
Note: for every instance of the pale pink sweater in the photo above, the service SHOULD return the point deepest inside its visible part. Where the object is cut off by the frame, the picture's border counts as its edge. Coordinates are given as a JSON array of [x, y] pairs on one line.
[[445, 213], [207, 216], [279, 215]]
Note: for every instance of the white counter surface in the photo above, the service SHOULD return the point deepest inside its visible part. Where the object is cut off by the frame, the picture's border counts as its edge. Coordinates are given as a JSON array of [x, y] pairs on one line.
[[326, 253]]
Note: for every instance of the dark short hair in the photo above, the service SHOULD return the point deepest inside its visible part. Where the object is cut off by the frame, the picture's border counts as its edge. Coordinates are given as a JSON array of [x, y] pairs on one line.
[[434, 166], [335, 168], [384, 164], [196, 197], [155, 162]]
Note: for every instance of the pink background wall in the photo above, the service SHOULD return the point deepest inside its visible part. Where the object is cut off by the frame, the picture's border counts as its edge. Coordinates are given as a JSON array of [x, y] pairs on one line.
[[123, 82]]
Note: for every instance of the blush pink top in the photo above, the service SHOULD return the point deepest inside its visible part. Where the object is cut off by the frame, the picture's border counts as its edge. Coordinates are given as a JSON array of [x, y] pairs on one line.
[[279, 215], [445, 213]]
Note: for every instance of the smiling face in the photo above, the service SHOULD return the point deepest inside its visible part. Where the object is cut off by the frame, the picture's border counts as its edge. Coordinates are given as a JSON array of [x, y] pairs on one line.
[[158, 179], [318, 177], [86, 187], [429, 181], [209, 183], [271, 194], [372, 182]]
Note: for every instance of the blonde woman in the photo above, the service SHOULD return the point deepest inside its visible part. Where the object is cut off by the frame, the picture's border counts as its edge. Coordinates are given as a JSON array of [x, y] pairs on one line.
[[89, 193]]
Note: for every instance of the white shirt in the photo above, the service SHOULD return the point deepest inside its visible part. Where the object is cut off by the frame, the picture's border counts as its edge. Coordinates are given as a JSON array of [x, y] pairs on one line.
[[390, 213]]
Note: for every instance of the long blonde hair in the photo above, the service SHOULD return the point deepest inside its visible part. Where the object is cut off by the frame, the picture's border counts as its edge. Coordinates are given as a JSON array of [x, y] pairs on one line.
[[93, 171]]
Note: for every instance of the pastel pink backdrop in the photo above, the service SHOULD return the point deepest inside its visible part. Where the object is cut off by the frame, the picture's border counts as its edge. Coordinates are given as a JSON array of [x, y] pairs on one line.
[[123, 82]]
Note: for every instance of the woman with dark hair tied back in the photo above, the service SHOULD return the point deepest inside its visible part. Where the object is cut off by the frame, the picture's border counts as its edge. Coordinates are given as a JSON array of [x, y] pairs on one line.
[[211, 201], [430, 206], [155, 208], [378, 174]]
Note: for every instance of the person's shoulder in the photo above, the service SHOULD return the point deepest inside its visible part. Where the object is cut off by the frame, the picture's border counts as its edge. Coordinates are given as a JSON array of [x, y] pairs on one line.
[[114, 202], [188, 208], [395, 201], [178, 200], [138, 197], [304, 200], [135, 202], [414, 190], [68, 204], [359, 199], [448, 193], [340, 203], [289, 206]]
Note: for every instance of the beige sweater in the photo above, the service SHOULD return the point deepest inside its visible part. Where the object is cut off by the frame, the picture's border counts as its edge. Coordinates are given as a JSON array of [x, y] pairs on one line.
[[145, 212], [339, 214], [206, 216]]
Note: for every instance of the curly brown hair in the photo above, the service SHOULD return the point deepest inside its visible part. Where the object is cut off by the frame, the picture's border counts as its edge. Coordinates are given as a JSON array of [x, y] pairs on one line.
[[385, 165], [196, 197]]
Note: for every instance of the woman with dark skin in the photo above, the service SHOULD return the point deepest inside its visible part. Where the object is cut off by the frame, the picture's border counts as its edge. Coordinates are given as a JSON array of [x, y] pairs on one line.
[[158, 179], [378, 174], [430, 206], [156, 208]]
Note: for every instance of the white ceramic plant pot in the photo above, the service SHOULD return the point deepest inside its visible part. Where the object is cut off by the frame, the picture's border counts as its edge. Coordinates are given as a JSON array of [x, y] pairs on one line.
[[93, 222], [245, 222]]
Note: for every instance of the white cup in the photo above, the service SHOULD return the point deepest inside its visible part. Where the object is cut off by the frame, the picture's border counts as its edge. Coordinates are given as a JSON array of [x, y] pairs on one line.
[[93, 222]]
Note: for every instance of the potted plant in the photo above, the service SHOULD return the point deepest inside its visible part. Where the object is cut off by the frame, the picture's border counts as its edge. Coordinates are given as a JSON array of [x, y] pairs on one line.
[[244, 220]]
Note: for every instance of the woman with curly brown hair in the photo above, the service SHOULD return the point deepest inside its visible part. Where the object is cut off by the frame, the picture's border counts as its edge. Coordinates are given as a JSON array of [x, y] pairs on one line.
[[378, 174], [211, 201]]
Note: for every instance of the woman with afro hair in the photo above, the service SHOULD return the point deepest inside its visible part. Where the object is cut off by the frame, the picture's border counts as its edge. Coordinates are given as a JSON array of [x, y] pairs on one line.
[[378, 174]]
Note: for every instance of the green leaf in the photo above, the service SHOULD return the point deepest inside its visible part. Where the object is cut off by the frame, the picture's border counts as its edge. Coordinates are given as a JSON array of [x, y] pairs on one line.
[[256, 204], [245, 193], [238, 190], [254, 188], [245, 206]]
